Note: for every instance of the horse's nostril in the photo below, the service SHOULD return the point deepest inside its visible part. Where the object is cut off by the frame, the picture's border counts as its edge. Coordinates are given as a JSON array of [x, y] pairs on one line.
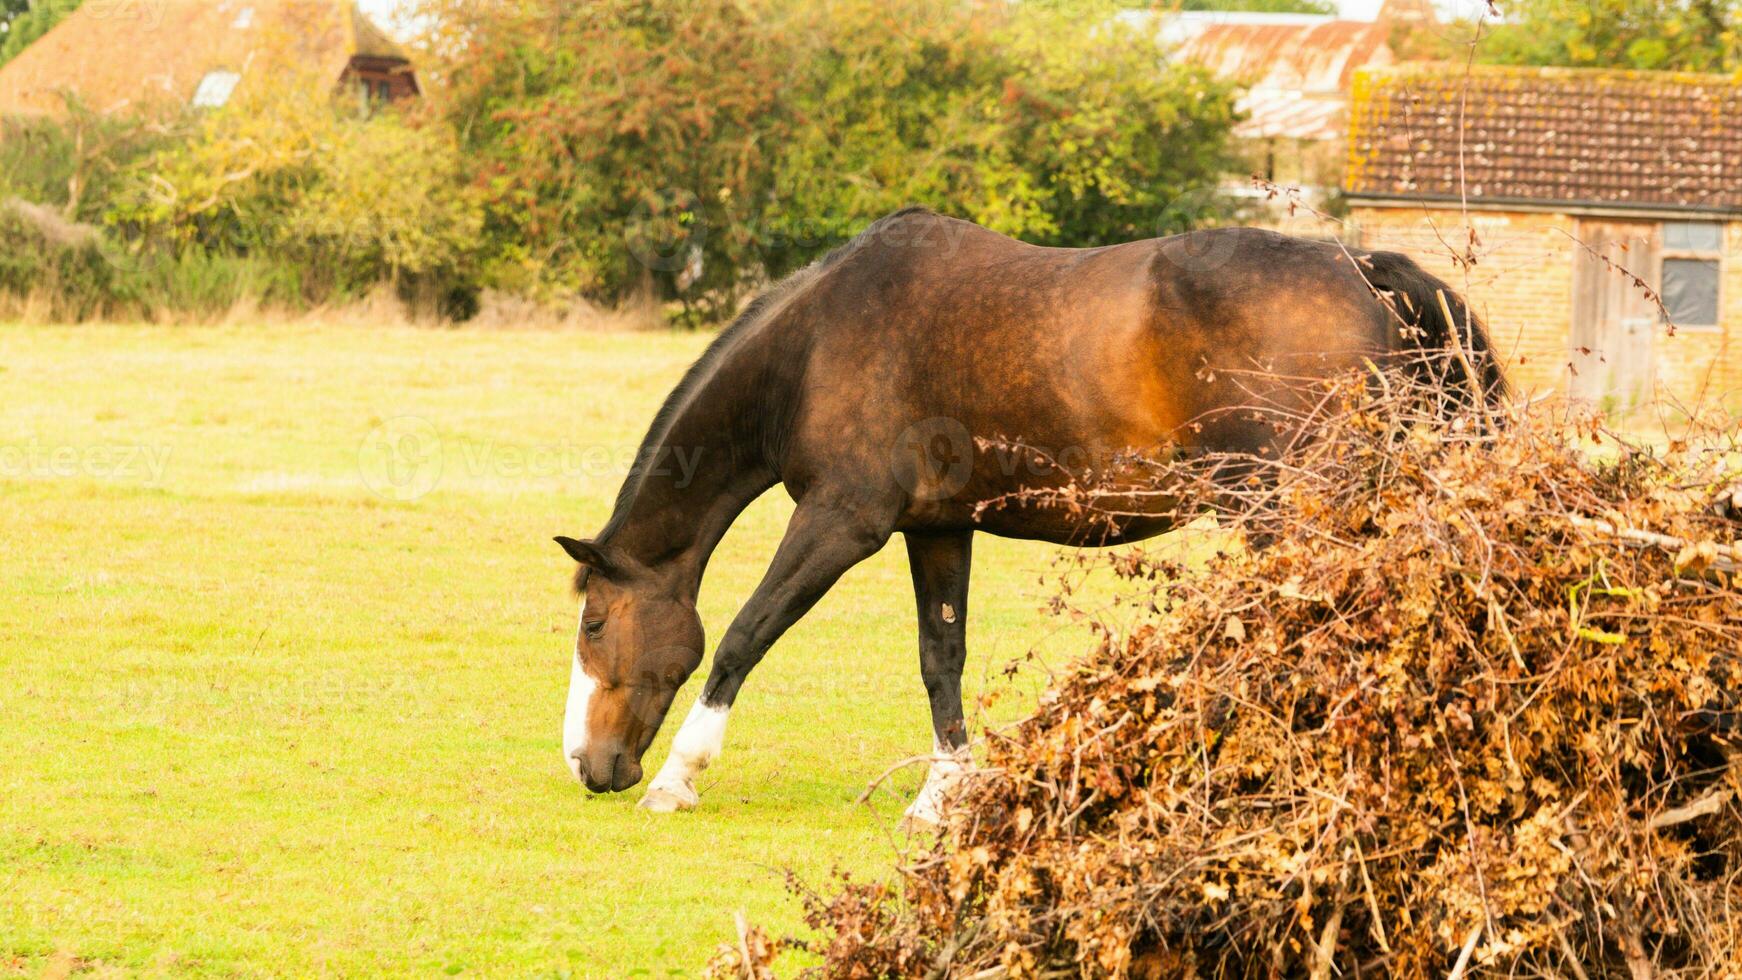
[[606, 772]]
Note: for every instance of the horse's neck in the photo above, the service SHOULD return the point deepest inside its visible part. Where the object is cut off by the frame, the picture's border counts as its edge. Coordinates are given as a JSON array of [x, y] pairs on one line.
[[700, 473]]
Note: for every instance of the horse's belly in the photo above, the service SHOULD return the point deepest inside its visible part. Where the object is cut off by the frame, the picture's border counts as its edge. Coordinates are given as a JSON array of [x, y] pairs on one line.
[[1059, 527], [1018, 492]]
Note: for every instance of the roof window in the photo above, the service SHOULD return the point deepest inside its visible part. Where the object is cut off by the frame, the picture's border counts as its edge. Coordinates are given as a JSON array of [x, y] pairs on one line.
[[214, 89]]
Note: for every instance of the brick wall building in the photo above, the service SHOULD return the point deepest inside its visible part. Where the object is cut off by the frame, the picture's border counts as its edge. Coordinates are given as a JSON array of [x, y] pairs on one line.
[[1602, 209]]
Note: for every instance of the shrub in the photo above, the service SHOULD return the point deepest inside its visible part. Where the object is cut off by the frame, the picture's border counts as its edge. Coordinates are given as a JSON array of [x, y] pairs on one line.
[[46, 259], [619, 143], [73, 161], [68, 271], [199, 284], [347, 196], [1058, 123]]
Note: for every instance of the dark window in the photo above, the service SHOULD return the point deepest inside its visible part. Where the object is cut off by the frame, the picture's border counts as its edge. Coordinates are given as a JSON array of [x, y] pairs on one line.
[[1693, 254], [1690, 291]]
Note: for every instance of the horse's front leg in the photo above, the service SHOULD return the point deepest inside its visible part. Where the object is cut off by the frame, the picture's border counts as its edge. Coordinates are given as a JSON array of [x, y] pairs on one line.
[[829, 534], [939, 563]]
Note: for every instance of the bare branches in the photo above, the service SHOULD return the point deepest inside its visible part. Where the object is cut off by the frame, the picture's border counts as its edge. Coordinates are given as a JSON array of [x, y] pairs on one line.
[[1363, 746]]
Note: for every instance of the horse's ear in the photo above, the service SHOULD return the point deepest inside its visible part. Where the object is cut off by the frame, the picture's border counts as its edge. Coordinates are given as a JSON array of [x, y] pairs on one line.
[[586, 552]]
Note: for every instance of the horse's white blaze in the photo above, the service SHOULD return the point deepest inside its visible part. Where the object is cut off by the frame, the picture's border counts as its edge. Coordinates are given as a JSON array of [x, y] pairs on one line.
[[696, 745], [581, 688], [946, 767]]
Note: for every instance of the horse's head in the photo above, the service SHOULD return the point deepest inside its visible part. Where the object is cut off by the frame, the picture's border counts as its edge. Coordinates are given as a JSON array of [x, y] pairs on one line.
[[638, 641]]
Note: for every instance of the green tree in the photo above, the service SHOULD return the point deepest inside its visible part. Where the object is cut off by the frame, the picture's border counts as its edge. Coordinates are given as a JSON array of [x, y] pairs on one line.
[[1048, 121], [1117, 143], [9, 12], [621, 144], [697, 147], [1689, 35], [23, 21]]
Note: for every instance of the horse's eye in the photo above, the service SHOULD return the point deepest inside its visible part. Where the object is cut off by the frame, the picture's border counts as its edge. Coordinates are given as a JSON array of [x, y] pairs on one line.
[[595, 629]]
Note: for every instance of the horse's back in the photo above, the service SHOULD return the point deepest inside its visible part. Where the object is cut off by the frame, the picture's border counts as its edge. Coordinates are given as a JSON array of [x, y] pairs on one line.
[[945, 316], [1078, 355]]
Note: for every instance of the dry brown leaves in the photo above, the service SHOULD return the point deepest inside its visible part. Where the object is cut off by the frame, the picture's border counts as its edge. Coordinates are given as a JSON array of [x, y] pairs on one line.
[[1472, 711]]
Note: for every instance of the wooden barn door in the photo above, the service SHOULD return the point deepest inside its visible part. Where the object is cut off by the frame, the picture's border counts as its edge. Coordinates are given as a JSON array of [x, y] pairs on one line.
[[1614, 321]]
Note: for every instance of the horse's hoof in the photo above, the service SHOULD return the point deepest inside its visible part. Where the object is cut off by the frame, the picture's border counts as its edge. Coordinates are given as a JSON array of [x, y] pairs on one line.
[[667, 801]]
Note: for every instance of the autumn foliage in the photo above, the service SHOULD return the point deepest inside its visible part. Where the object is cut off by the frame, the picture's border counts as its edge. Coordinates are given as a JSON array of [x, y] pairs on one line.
[[1470, 712]]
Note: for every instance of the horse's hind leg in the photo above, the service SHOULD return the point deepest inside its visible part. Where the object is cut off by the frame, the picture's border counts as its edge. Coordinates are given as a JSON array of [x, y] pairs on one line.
[[828, 534], [940, 564]]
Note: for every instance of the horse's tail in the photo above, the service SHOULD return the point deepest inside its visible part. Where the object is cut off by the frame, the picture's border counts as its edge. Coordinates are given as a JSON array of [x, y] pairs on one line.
[[1462, 337]]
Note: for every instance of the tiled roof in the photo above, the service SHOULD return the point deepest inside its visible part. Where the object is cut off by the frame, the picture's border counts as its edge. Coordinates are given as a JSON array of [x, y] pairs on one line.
[[128, 55], [1621, 139]]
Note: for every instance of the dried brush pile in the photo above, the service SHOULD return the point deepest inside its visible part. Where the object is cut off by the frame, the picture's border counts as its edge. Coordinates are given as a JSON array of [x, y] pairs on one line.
[[1469, 712]]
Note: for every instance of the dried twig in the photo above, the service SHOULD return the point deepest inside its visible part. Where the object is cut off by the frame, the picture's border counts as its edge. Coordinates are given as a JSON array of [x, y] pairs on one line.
[[1724, 558], [1464, 953], [1705, 806], [1325, 954]]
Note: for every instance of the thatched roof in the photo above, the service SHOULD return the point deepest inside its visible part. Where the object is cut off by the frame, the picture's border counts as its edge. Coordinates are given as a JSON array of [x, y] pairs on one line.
[[119, 55]]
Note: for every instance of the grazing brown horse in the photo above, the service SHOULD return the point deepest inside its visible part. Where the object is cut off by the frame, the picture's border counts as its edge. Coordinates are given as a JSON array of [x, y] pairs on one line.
[[869, 385]]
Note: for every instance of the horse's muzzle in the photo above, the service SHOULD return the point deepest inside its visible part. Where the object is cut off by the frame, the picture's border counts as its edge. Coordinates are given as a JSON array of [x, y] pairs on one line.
[[607, 772]]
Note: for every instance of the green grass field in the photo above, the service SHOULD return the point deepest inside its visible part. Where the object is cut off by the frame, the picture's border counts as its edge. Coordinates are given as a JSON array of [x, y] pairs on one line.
[[259, 718]]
